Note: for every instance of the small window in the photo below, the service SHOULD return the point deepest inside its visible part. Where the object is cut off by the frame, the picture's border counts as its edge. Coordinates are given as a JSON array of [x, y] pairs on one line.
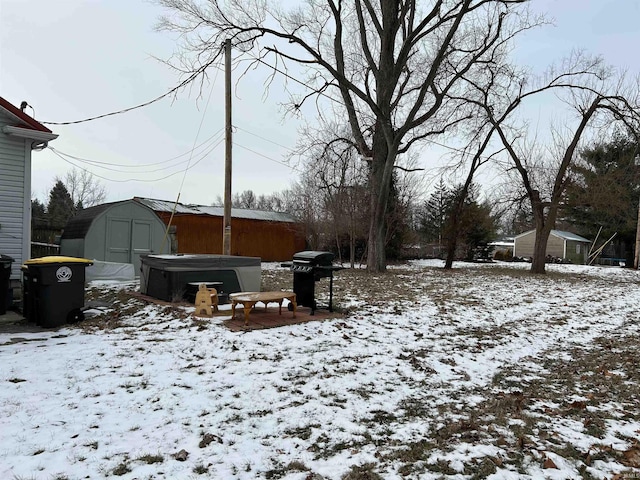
[[578, 248]]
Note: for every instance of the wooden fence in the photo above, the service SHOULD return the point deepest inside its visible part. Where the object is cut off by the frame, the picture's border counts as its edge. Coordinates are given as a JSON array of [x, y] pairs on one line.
[[44, 242]]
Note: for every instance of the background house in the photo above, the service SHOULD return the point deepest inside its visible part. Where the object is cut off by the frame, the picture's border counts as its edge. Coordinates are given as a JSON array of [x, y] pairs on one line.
[[272, 236], [114, 232], [20, 134], [565, 245]]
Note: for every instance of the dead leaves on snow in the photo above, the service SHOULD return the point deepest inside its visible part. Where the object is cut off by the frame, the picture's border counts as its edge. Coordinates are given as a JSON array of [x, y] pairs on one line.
[[631, 457]]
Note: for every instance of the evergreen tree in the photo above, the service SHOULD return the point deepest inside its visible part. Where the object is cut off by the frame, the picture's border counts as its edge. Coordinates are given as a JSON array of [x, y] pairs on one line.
[[38, 214], [434, 215], [605, 192], [60, 208], [476, 225]]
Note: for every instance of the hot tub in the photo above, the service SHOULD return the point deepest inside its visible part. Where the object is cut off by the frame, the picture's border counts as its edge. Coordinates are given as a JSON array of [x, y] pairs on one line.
[[166, 276]]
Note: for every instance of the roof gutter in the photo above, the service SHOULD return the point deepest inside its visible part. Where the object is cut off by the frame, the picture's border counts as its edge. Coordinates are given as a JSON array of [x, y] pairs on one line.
[[41, 139]]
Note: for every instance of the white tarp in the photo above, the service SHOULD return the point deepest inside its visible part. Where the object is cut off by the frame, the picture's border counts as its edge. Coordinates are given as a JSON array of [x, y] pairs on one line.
[[110, 271]]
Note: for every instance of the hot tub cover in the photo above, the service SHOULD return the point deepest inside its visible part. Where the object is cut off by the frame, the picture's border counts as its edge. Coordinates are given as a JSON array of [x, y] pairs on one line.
[[181, 263]]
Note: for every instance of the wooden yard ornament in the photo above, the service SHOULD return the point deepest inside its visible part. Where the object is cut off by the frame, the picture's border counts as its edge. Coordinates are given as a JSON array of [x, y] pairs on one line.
[[205, 299]]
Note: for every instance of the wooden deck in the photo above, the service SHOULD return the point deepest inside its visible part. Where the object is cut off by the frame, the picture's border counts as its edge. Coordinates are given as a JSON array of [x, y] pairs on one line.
[[269, 318]]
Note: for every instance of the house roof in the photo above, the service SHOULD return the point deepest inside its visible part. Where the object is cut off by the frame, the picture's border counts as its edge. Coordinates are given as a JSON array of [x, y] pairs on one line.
[[24, 120], [182, 209], [560, 234], [569, 236]]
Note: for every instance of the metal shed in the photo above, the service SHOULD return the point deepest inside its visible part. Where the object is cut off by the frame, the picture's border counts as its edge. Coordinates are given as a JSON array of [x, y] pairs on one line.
[[272, 236], [561, 244], [114, 232]]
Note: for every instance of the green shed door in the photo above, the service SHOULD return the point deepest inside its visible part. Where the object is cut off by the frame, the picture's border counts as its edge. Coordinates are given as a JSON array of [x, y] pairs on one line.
[[118, 247], [127, 239], [141, 241]]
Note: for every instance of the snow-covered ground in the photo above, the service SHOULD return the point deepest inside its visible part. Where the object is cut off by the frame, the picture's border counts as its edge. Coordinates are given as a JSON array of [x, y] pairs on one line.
[[484, 372]]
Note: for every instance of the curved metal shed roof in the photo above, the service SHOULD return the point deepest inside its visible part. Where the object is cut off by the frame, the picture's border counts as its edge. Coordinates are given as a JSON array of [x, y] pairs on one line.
[[168, 206], [78, 226]]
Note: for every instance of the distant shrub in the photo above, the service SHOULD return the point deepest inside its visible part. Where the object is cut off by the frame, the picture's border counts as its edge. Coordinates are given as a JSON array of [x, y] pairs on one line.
[[505, 255]]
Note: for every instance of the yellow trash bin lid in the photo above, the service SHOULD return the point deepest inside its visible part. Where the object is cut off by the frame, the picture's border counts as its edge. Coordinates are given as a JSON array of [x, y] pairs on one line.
[[58, 259]]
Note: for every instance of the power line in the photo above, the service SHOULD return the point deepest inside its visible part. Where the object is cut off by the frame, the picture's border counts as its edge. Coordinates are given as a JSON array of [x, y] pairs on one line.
[[285, 74], [188, 80], [262, 138], [196, 138], [120, 170], [267, 157], [205, 155], [98, 163]]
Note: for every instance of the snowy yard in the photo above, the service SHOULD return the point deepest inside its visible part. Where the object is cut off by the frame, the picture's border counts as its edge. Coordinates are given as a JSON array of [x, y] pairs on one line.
[[483, 372]]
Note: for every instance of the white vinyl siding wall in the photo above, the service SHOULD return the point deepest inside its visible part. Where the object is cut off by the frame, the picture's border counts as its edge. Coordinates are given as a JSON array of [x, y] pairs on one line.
[[15, 156]]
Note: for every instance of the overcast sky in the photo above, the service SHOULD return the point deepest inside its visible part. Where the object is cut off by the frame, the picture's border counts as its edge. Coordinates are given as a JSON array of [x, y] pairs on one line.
[[73, 59]]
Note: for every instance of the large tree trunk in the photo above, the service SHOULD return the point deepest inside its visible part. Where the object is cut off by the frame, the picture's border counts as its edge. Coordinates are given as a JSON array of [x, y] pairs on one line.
[[456, 215], [538, 264], [452, 237], [380, 185], [352, 242], [376, 256], [544, 225], [452, 245]]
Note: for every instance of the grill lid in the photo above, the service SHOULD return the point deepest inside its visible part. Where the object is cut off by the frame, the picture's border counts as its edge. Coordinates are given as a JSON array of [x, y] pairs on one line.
[[314, 258]]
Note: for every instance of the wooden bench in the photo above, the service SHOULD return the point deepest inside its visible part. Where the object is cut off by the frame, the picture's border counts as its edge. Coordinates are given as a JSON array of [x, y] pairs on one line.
[[249, 300]]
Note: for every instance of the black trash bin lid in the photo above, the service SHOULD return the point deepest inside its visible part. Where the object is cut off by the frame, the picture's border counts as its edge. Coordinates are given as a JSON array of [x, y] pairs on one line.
[[6, 259]]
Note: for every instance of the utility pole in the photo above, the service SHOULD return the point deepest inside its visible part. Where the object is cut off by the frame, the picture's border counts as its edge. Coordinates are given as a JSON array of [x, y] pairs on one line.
[[637, 255], [226, 233], [636, 260]]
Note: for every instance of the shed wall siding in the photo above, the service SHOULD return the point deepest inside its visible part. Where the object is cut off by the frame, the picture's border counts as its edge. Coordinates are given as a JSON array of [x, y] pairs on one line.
[[555, 246], [573, 256], [271, 241], [15, 159], [523, 246]]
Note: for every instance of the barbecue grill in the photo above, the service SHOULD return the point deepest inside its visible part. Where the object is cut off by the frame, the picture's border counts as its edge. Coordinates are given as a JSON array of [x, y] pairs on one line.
[[308, 268]]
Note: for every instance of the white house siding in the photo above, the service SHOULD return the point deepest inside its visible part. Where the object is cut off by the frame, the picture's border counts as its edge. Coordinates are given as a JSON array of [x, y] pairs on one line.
[[15, 198]]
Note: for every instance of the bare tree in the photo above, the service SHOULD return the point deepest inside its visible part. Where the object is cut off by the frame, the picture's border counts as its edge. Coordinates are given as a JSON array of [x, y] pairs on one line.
[[340, 179], [599, 98], [474, 152], [393, 64], [306, 205], [246, 199], [84, 188]]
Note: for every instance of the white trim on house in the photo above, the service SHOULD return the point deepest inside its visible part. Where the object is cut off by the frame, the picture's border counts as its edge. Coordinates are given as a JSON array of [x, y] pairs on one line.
[[41, 138], [29, 133], [26, 202]]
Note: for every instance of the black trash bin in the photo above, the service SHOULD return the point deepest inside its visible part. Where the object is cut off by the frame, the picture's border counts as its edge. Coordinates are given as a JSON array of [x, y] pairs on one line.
[[54, 290], [27, 296], [5, 275]]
